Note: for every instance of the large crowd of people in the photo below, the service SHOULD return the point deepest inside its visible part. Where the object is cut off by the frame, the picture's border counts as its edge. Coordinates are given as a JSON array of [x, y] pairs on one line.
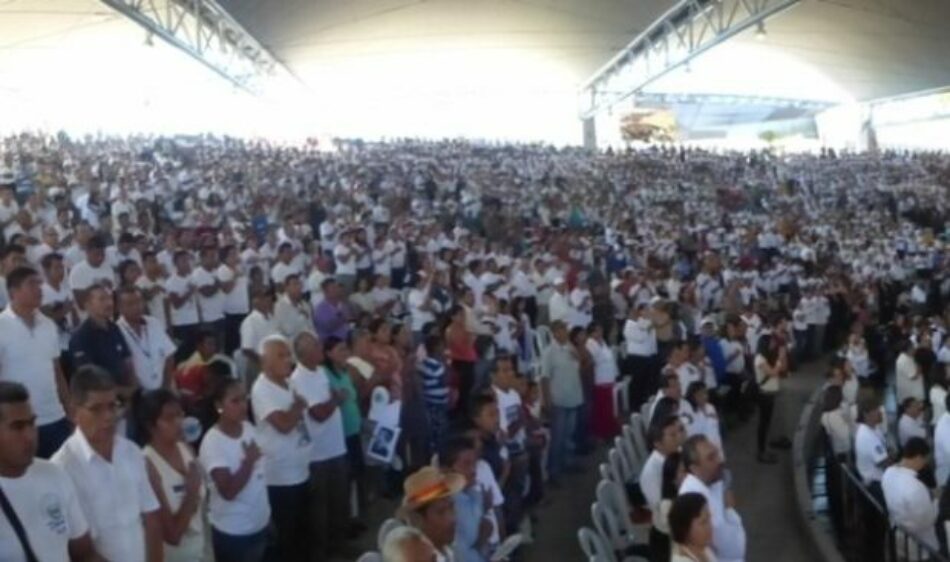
[[215, 349]]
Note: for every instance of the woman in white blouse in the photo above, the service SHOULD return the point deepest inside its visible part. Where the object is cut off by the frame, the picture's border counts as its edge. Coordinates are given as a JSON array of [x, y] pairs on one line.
[[604, 423], [175, 476], [239, 508], [857, 356], [705, 417]]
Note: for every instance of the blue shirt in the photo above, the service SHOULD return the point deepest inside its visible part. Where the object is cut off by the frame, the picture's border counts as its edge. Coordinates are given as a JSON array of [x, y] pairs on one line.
[[716, 357], [469, 510], [434, 387]]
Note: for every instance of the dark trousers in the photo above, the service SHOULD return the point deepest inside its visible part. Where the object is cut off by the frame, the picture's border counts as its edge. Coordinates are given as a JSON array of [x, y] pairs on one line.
[[330, 506], [535, 475], [659, 546], [766, 408], [289, 512], [645, 378], [232, 332], [185, 336], [239, 548], [465, 372], [51, 436], [357, 470], [531, 309], [514, 492]]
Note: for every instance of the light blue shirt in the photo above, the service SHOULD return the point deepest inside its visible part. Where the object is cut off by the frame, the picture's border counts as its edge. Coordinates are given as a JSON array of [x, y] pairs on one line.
[[469, 510]]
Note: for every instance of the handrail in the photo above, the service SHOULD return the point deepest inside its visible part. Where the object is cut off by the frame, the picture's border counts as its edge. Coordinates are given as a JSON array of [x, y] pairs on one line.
[[822, 544]]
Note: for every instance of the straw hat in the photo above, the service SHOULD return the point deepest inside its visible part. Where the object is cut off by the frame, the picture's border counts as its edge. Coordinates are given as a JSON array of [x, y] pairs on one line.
[[430, 484]]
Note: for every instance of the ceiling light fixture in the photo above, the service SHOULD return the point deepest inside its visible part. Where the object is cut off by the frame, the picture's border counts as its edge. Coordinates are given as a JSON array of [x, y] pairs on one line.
[[760, 31]]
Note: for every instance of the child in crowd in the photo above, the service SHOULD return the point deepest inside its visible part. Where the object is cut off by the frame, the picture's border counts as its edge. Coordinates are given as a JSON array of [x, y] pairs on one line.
[[473, 528], [511, 423]]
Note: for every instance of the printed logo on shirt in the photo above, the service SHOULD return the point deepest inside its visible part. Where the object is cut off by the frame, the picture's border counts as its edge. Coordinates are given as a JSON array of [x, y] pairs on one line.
[[56, 519]]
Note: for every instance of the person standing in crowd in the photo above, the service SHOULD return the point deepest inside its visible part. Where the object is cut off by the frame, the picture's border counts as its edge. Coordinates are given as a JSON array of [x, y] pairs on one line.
[[735, 351], [175, 476], [473, 527], [54, 529], [460, 342], [428, 505], [124, 516], [98, 341], [771, 365], [908, 378], [666, 437], [691, 529], [909, 502], [563, 396], [705, 477], [152, 285], [153, 352], [435, 389], [239, 510], [335, 354], [942, 445], [641, 361], [256, 327], [604, 419], [29, 355], [329, 479], [93, 270], [407, 544], [331, 317], [210, 295], [237, 297], [292, 313], [183, 313], [286, 445]]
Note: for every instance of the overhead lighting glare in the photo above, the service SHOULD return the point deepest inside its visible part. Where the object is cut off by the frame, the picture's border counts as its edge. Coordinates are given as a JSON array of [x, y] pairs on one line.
[[760, 31]]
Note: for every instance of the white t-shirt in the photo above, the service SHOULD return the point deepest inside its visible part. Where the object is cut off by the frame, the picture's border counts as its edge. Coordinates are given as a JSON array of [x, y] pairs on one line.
[[83, 275], [287, 455], [187, 314], [418, 316], [869, 451], [212, 308], [26, 357], [329, 441], [486, 481], [156, 305], [249, 511], [345, 258], [509, 410], [45, 501], [238, 300], [254, 328]]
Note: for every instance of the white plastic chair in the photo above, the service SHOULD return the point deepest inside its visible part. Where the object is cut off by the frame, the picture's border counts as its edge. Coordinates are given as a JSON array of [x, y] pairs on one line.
[[507, 548], [621, 397], [634, 433], [607, 472], [387, 527], [616, 460], [370, 557], [615, 516], [607, 525], [594, 546], [628, 454]]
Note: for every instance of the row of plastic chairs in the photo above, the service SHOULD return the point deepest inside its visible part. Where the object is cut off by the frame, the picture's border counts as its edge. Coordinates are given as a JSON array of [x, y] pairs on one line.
[[614, 532]]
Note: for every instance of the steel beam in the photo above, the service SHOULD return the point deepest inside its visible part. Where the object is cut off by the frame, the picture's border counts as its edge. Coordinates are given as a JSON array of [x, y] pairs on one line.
[[656, 98], [687, 30], [206, 32]]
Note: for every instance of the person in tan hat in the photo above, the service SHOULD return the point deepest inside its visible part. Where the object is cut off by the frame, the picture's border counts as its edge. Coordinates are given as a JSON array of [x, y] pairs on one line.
[[429, 507]]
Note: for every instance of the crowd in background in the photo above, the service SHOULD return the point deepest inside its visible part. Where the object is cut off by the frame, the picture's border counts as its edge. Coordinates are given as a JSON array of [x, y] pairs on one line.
[[230, 350]]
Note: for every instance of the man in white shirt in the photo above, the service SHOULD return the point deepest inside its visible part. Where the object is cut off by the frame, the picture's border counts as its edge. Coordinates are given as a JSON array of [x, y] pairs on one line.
[[109, 474], [40, 494], [639, 337], [29, 354], [210, 294], [942, 445], [328, 467], [870, 449], [152, 285], [292, 313], [909, 502], [559, 305], [421, 305], [152, 350], [256, 326], [286, 444], [284, 266], [666, 435], [344, 256], [705, 468], [91, 271], [183, 315]]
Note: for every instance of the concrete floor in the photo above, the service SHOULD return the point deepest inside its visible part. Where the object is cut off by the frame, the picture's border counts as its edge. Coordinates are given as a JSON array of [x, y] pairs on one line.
[[764, 493]]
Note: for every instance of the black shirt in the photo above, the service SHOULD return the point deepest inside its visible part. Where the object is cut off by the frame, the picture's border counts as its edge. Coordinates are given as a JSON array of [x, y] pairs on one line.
[[101, 346]]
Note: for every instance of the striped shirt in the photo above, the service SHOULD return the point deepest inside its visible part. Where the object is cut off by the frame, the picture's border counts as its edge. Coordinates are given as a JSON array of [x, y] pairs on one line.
[[434, 386]]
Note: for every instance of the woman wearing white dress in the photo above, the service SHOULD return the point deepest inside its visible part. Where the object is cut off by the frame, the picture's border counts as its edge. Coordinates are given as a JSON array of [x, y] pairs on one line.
[[691, 529], [239, 509], [175, 476]]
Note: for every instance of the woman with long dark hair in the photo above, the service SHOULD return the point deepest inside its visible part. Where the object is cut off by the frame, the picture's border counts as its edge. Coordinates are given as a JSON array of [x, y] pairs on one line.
[[771, 364], [335, 354]]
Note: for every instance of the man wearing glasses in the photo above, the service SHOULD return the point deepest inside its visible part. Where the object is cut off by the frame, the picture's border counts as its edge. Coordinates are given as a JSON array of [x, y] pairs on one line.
[[109, 473]]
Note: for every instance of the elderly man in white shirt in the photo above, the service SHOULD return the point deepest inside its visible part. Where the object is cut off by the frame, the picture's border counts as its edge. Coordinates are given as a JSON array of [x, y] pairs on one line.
[[109, 474], [705, 468], [909, 502]]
